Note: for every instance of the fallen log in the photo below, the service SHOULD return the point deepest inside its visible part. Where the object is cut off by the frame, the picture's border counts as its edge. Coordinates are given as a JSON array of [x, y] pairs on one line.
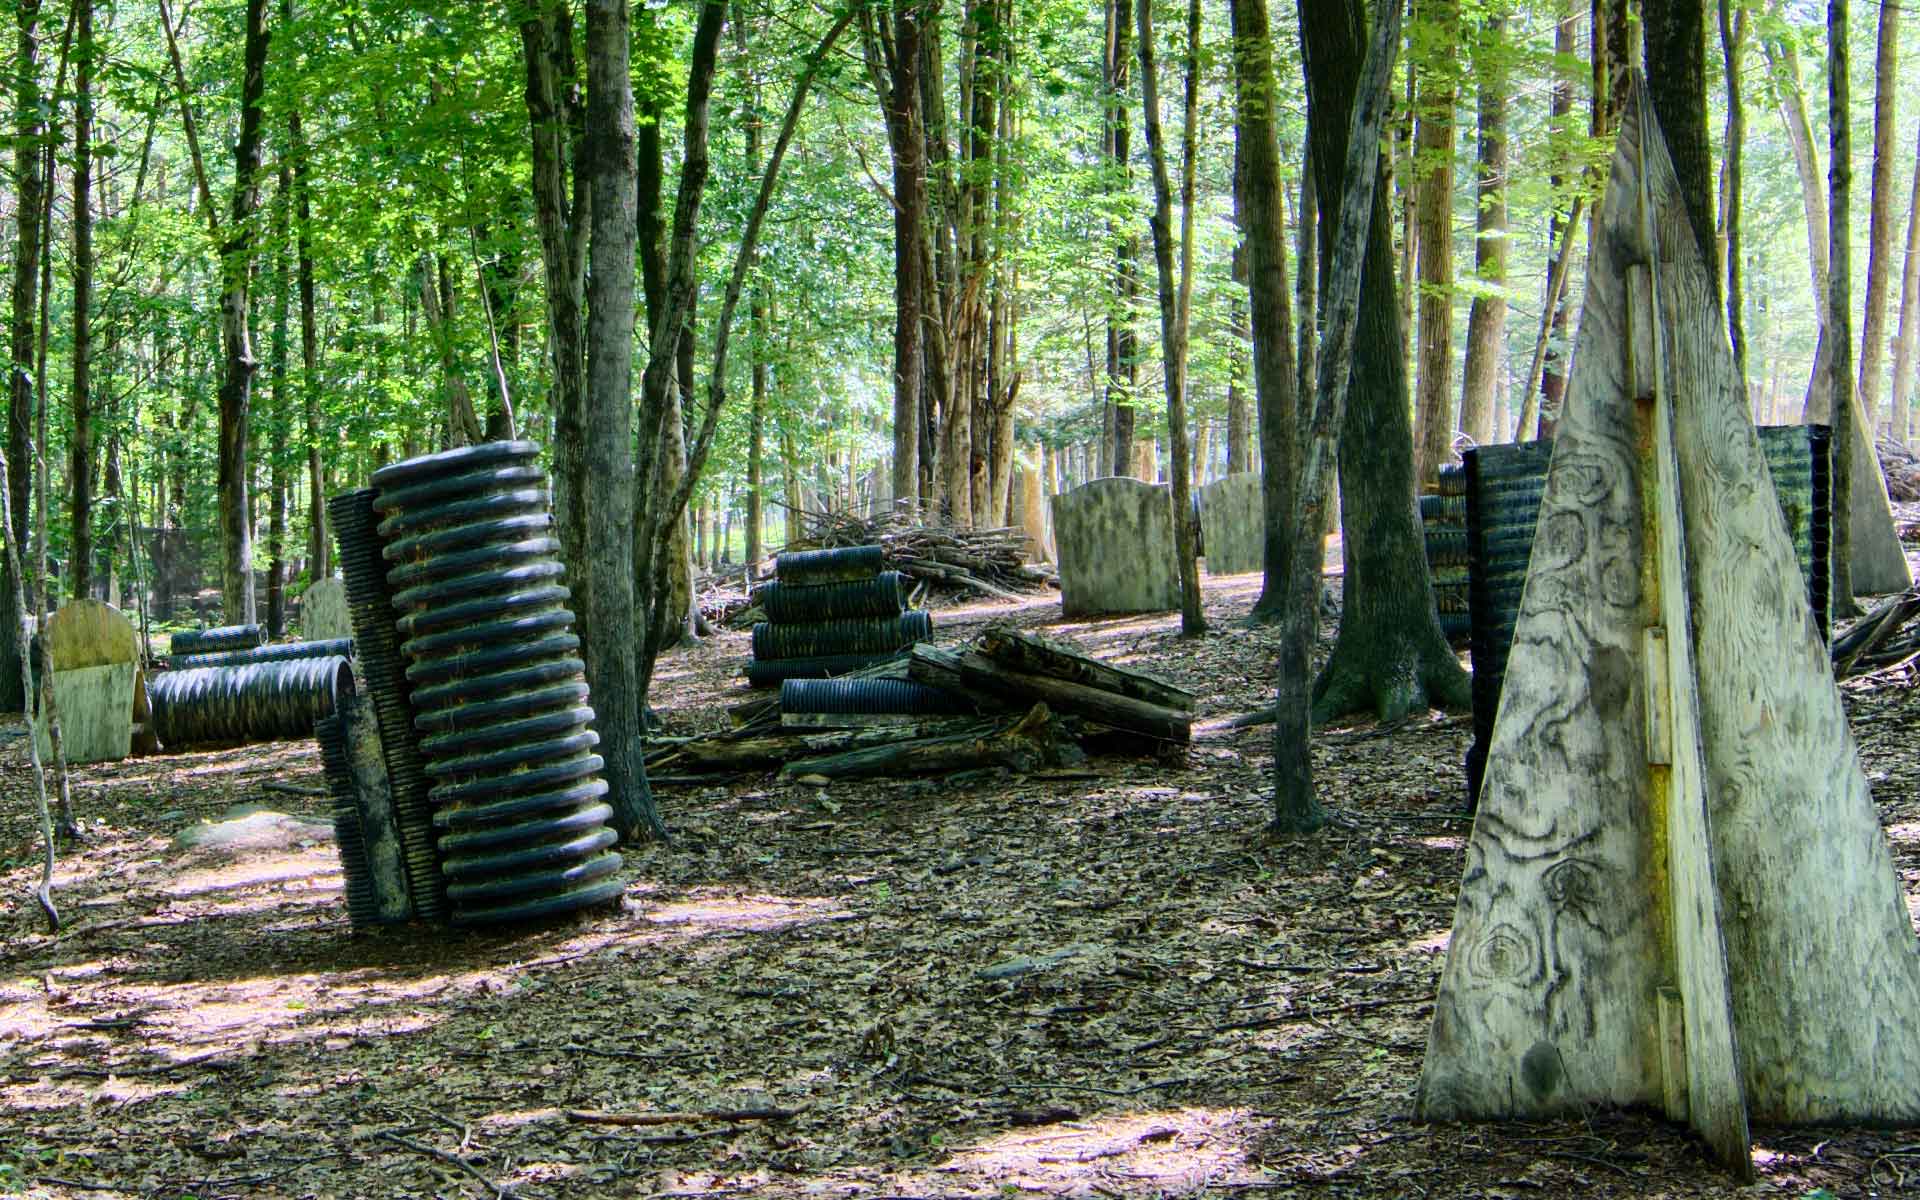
[[1030, 743], [1026, 652], [772, 750], [980, 675]]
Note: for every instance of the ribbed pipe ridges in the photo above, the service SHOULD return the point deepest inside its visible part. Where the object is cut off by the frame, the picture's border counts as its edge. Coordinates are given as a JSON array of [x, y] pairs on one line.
[[254, 702]]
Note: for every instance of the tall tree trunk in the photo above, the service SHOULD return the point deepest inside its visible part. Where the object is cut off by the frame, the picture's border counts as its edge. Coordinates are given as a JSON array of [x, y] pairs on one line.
[[236, 383], [1306, 279], [600, 470], [277, 418], [1784, 63], [1390, 656], [1175, 299], [1732, 38], [1676, 48], [1258, 212], [1122, 367], [1433, 184], [18, 449], [1902, 397], [1553, 373], [1873, 327], [80, 447], [894, 65], [1487, 318], [319, 545], [437, 297], [1840, 303]]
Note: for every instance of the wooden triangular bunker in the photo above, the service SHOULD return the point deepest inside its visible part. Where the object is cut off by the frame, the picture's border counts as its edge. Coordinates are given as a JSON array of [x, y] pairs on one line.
[[1677, 892]]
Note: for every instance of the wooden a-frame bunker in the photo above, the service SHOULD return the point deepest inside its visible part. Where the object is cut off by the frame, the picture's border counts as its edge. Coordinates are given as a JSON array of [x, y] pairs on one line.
[[1677, 893]]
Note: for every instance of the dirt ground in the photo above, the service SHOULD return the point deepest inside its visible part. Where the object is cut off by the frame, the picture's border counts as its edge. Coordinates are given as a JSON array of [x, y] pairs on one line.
[[991, 987]]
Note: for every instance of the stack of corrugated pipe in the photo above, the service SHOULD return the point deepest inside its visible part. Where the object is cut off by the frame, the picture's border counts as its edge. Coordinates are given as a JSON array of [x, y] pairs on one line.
[[479, 692], [831, 612], [1443, 517], [1504, 485], [228, 687]]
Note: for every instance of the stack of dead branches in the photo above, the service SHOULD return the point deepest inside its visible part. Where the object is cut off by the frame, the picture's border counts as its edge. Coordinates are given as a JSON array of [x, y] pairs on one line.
[[723, 596], [1885, 640], [989, 561], [1901, 466]]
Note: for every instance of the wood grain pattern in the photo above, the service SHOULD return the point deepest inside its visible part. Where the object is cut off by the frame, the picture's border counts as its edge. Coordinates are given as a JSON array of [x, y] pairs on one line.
[[1547, 1001], [89, 633], [1824, 966]]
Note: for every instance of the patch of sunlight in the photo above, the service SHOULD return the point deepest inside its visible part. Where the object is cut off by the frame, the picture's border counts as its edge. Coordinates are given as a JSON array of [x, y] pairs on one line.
[[1906, 831], [1167, 1152], [1426, 943], [121, 1092], [1440, 842], [248, 870], [711, 908]]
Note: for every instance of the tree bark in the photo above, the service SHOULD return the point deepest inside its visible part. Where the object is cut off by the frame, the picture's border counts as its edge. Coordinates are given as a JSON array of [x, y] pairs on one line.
[[80, 446], [1880, 219], [1175, 299], [1433, 192], [1675, 32], [277, 418], [1122, 367], [1732, 39], [436, 308], [1553, 377], [894, 64], [319, 545], [29, 183], [1390, 656], [236, 384], [1263, 224], [1487, 318], [1360, 234], [1840, 304]]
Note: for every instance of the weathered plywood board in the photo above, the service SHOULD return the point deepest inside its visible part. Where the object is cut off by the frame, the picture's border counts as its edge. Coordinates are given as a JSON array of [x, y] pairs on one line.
[[89, 633], [1233, 524], [95, 705], [323, 611], [1115, 540], [1547, 1002]]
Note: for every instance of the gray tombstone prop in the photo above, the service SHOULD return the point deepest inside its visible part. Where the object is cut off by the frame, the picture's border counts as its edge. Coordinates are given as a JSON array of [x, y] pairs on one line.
[[97, 689], [323, 612], [1233, 524], [1031, 515], [1115, 541]]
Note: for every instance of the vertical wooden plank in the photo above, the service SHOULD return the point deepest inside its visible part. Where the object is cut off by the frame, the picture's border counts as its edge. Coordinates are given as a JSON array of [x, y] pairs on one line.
[[1653, 657]]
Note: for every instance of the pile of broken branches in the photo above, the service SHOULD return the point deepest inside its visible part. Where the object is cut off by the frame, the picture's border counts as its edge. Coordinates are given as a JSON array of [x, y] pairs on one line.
[[1035, 705], [989, 561], [1885, 640]]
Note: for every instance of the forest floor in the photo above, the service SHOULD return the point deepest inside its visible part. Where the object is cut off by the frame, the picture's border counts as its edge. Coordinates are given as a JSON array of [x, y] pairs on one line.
[[996, 987]]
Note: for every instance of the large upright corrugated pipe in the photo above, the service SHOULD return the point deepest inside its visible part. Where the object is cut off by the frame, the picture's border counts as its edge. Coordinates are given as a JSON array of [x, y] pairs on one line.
[[214, 641], [844, 696], [327, 648], [843, 565], [498, 690], [863, 635], [883, 595], [253, 702], [383, 679]]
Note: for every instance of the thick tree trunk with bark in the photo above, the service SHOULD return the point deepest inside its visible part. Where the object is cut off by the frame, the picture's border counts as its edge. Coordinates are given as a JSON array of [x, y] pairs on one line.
[[1840, 303], [1262, 222], [1676, 47], [1390, 656], [1553, 372], [277, 419], [1732, 37], [236, 383], [80, 445], [319, 545], [1433, 203], [1487, 318], [1122, 366], [600, 469], [1880, 218], [28, 184], [894, 64]]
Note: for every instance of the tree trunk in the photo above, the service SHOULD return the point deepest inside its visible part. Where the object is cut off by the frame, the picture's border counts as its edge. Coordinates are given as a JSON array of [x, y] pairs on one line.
[[436, 308], [1902, 397], [1433, 184], [1553, 373], [1360, 234], [1390, 656], [1840, 305], [1306, 280], [1257, 202], [1487, 318], [600, 469], [1239, 415], [896, 74], [1675, 32], [18, 449], [277, 420], [1122, 369], [1873, 327], [236, 384], [319, 546], [80, 447], [1732, 38], [1175, 299]]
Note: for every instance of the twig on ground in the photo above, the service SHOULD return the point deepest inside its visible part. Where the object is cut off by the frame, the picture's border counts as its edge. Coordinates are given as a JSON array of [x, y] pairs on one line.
[[500, 1191], [590, 1117]]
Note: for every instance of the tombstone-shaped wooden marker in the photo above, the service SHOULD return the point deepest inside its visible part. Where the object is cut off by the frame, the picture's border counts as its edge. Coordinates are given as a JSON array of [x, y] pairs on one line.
[[1677, 892], [1115, 541], [98, 687], [323, 611], [1233, 524]]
